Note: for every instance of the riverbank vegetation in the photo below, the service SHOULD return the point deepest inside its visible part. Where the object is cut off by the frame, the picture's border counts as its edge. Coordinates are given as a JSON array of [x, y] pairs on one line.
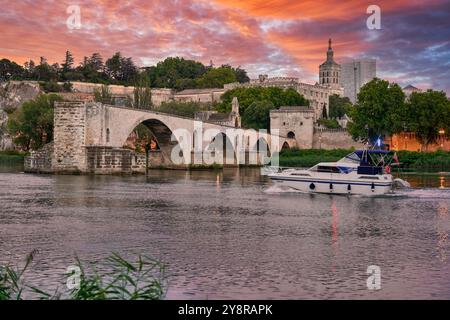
[[10, 156], [409, 160], [32, 124], [143, 279]]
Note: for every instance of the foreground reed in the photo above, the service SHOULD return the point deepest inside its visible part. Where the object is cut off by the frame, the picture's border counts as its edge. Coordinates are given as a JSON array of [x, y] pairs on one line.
[[143, 279]]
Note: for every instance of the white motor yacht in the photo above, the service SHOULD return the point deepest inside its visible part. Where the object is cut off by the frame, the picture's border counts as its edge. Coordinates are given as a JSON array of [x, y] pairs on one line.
[[363, 172]]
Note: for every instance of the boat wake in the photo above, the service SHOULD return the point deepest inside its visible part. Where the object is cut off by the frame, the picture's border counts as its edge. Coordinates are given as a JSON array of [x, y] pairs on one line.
[[398, 193], [276, 188]]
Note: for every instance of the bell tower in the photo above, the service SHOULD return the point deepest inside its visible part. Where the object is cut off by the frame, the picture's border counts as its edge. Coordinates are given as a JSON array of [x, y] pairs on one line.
[[330, 71]]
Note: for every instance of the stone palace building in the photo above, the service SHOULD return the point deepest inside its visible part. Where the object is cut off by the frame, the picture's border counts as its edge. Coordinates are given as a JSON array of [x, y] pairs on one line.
[[317, 94]]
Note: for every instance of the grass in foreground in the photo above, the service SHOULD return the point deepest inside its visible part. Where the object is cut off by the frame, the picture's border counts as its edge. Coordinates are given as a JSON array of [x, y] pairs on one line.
[[143, 279]]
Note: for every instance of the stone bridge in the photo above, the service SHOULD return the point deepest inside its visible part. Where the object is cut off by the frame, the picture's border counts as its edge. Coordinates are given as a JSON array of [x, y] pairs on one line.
[[90, 138]]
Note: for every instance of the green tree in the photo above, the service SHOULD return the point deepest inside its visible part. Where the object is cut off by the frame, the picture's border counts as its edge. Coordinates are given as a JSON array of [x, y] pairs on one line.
[[29, 68], [257, 115], [32, 124], [329, 123], [241, 75], [68, 62], [121, 69], [184, 109], [339, 106], [176, 73], [10, 70], [103, 95], [142, 93], [45, 72], [50, 86], [378, 111], [95, 62], [216, 78], [246, 96], [428, 116], [93, 70]]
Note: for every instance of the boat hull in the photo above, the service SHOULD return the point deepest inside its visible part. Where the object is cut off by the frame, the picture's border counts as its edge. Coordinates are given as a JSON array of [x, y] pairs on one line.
[[330, 186]]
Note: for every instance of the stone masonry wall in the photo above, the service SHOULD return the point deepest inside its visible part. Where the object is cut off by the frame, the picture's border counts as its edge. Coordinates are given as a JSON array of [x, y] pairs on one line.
[[69, 137], [40, 161], [334, 139], [110, 160]]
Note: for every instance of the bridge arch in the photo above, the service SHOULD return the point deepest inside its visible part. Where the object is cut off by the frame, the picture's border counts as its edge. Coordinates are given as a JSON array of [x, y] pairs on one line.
[[162, 134], [261, 151], [222, 148]]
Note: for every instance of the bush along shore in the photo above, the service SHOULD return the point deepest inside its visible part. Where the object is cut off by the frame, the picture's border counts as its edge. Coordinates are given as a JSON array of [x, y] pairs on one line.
[[142, 279], [409, 160], [7, 157]]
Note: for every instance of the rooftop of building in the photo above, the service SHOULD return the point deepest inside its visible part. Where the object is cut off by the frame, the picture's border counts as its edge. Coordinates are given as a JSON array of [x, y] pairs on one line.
[[293, 109]]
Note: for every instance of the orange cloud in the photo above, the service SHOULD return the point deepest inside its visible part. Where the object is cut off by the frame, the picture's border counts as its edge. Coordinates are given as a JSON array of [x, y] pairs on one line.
[[283, 37], [316, 9]]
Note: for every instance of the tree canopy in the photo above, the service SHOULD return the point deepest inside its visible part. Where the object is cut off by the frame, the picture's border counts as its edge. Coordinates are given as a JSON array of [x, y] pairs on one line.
[[427, 114], [174, 72], [185, 109], [339, 106], [378, 111], [32, 124], [179, 73], [10, 70], [246, 96], [257, 115]]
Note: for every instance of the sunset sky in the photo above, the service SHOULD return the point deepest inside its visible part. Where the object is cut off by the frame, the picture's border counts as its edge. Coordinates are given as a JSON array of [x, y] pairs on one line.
[[275, 37]]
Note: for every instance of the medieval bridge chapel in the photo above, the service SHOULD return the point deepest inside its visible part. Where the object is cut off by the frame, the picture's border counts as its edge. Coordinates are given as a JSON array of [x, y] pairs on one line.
[[91, 137]]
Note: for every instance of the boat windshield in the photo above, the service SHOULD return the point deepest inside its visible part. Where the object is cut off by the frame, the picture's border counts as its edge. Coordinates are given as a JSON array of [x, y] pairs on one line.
[[352, 158], [371, 157]]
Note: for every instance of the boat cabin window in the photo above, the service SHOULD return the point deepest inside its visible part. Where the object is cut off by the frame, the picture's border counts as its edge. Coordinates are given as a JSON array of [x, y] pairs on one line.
[[330, 169], [300, 174], [369, 177]]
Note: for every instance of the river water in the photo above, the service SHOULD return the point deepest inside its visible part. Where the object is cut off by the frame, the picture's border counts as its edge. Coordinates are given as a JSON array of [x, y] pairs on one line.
[[232, 235]]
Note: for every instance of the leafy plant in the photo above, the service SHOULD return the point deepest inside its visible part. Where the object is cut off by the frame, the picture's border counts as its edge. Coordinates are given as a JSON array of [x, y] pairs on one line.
[[329, 123], [142, 280], [142, 93], [51, 86], [103, 95], [184, 109], [378, 111], [32, 124], [11, 280]]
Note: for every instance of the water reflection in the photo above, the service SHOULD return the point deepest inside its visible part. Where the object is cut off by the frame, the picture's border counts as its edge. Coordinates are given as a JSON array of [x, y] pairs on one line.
[[442, 230], [442, 182], [427, 180], [225, 235], [334, 226]]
